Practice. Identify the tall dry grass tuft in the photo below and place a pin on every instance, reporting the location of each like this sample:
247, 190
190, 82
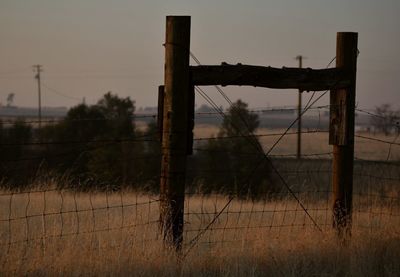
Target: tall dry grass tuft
308, 254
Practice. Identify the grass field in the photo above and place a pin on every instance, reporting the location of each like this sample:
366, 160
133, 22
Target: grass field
64, 233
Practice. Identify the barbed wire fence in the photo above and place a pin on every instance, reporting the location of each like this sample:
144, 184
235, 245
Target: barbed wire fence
49, 215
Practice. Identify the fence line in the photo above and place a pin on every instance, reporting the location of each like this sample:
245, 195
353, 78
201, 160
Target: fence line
376, 199
276, 212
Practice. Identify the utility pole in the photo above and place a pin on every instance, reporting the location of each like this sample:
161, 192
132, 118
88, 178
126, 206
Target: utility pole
299, 111
38, 69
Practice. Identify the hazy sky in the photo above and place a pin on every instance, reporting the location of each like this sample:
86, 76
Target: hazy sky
89, 47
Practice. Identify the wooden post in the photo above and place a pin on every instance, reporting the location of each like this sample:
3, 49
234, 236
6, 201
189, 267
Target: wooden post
299, 111
175, 125
341, 134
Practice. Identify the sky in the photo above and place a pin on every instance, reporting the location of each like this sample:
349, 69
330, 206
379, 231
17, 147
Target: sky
90, 47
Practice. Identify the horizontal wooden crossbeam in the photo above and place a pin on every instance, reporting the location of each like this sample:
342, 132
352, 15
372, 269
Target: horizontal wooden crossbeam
305, 79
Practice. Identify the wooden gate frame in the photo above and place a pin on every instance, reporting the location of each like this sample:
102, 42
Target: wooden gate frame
176, 105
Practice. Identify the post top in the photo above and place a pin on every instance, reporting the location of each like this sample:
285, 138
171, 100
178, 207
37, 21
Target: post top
347, 34
178, 16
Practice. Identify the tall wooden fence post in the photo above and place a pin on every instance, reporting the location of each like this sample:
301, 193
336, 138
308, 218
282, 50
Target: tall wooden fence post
299, 113
341, 134
175, 125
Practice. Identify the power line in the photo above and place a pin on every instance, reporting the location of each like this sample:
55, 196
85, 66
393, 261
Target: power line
61, 94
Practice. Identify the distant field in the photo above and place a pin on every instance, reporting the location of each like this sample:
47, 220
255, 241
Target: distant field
313, 143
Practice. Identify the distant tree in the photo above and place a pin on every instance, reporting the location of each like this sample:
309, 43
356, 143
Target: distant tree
119, 114
20, 132
148, 164
113, 163
101, 150
234, 161
93, 145
239, 121
83, 123
14, 137
15, 166
72, 140
386, 120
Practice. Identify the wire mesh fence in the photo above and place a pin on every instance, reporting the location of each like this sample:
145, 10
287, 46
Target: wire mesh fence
376, 204
233, 203
46, 217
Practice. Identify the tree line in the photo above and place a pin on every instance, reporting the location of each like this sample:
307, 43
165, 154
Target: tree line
100, 147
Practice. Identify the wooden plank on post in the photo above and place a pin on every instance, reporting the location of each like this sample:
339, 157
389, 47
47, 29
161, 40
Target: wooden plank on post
190, 120
341, 134
339, 129
304, 79
160, 111
175, 129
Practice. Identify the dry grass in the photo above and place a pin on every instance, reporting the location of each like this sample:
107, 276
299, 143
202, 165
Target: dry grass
264, 238
116, 234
